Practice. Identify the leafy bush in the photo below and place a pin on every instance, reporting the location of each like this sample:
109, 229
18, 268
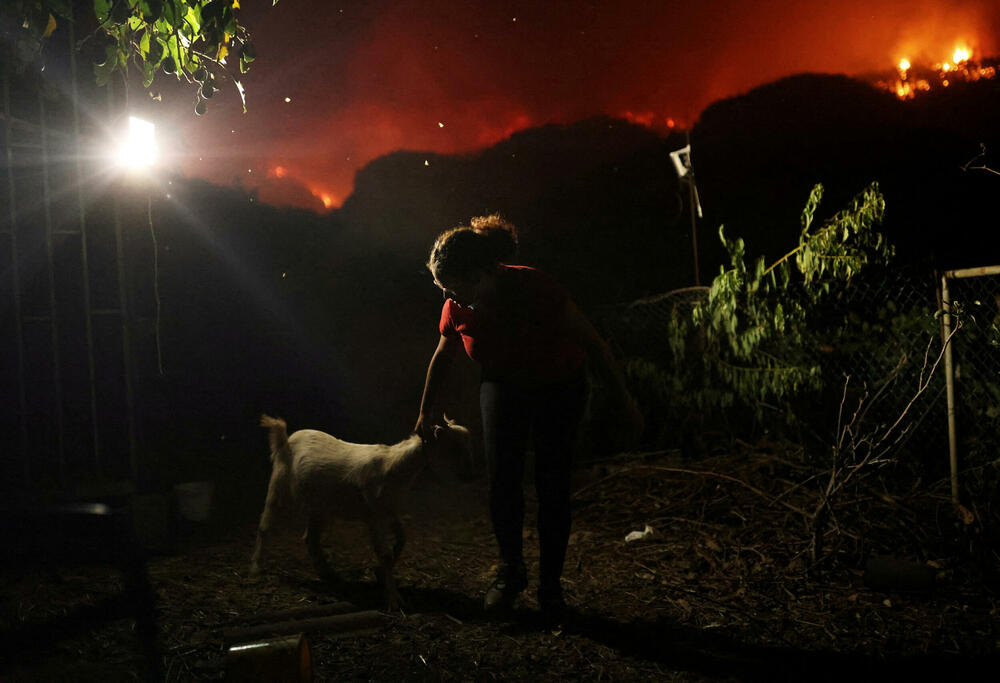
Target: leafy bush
749, 346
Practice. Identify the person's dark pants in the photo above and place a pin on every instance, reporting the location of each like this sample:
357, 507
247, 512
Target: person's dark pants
551, 416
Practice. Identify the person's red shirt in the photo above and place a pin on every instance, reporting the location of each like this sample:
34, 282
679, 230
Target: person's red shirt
522, 338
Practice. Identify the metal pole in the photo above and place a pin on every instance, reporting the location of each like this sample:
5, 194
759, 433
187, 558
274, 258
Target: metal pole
53, 307
125, 322
692, 199
15, 277
949, 375
973, 272
694, 231
84, 262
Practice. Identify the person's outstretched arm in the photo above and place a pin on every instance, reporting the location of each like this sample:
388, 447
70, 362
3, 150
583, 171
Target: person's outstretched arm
437, 370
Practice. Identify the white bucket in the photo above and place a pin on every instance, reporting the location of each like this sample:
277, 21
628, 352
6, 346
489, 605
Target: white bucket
194, 500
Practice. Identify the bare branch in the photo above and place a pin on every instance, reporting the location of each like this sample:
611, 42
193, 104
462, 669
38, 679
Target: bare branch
982, 167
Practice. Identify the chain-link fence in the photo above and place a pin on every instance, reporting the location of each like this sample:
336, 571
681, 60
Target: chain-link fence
882, 331
875, 341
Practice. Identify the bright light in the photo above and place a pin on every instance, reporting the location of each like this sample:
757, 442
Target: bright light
138, 151
904, 65
961, 55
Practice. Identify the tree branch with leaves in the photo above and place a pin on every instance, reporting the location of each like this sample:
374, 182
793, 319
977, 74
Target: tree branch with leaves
200, 42
753, 322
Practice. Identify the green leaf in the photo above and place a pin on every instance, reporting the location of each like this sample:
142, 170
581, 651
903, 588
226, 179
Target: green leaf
248, 53
157, 51
102, 10
191, 26
103, 71
169, 16
174, 56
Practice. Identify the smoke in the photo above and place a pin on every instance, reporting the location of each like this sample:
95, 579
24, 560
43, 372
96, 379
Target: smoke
446, 76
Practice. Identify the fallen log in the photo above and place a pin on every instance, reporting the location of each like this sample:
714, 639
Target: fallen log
306, 612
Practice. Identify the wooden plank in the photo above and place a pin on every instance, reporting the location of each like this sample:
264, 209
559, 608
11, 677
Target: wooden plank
352, 622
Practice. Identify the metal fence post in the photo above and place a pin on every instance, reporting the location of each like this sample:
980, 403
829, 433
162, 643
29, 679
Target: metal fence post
84, 257
967, 274
949, 374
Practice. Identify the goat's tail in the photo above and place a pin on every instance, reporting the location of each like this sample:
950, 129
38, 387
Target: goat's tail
277, 434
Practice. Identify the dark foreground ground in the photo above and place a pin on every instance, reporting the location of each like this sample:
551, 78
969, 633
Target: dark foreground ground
723, 589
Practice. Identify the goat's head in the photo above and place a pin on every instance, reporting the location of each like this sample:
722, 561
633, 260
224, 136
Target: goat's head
452, 445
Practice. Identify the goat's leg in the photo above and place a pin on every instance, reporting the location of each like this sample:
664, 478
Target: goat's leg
379, 528
263, 529
400, 534
264, 526
314, 532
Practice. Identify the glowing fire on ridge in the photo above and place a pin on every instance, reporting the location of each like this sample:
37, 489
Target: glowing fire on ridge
912, 80
328, 199
650, 120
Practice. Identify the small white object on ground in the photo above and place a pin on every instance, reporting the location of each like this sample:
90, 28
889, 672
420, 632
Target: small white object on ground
639, 535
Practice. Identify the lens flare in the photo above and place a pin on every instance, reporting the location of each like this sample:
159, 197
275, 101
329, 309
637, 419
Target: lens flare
138, 151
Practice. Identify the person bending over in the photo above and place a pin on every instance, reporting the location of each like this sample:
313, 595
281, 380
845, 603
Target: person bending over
532, 344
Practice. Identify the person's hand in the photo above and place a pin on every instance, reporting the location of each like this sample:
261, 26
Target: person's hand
425, 425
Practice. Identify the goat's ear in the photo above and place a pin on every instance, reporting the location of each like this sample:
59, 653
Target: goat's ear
437, 431
448, 421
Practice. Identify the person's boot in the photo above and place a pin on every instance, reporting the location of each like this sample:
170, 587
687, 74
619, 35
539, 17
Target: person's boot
503, 592
552, 606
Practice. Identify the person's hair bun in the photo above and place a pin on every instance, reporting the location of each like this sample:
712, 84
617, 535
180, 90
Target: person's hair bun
461, 251
500, 234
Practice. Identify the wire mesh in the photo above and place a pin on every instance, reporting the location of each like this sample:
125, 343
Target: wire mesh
976, 362
878, 334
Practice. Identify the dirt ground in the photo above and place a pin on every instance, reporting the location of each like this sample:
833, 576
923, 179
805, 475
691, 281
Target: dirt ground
722, 589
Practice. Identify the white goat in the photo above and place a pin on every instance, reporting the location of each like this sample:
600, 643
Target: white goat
323, 477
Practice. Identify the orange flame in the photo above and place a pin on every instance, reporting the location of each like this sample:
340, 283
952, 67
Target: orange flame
329, 200
650, 119
962, 67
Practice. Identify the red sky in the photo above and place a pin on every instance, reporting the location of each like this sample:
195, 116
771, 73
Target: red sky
366, 77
